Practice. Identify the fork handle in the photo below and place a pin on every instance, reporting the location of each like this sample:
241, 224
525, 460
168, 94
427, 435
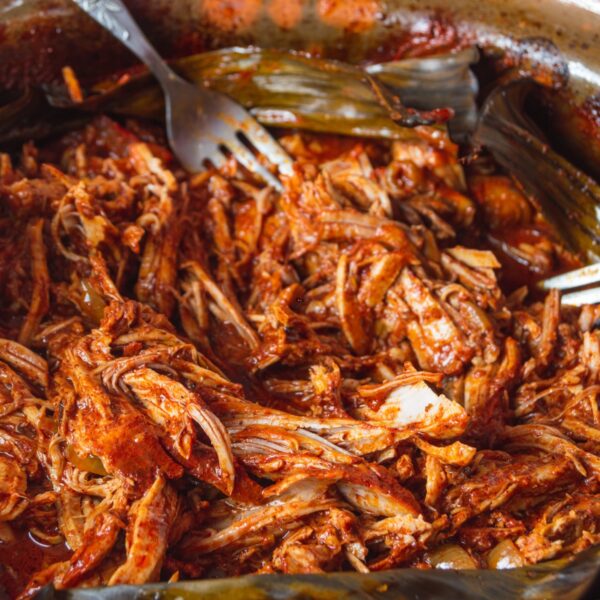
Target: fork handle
115, 18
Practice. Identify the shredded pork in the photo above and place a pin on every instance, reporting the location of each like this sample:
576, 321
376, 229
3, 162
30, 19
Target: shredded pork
202, 377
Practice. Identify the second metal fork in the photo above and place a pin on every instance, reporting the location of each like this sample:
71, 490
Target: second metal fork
202, 125
587, 278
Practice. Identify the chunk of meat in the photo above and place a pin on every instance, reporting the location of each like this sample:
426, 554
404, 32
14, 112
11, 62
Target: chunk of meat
110, 428
417, 408
438, 343
175, 408
150, 521
97, 543
13, 486
40, 297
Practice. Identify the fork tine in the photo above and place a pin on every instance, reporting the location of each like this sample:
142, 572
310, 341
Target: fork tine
261, 139
246, 158
589, 296
573, 279
218, 158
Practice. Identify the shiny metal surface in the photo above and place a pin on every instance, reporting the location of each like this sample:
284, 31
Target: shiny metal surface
578, 278
202, 125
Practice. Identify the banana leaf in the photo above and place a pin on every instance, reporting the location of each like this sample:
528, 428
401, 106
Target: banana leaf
284, 89
569, 198
562, 579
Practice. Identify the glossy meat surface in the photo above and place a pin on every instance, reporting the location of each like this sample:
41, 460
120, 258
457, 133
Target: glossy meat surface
200, 377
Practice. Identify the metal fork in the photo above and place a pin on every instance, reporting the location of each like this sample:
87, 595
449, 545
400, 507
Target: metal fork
579, 278
202, 125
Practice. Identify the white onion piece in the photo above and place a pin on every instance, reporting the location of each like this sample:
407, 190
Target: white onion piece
505, 555
451, 556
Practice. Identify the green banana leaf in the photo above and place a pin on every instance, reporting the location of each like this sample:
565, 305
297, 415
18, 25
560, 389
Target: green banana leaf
281, 89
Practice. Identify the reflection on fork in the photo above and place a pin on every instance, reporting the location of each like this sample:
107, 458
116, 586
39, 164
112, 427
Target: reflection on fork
202, 125
584, 281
